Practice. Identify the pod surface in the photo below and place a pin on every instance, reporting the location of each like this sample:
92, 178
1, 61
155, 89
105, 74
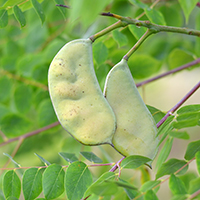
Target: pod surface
77, 98
136, 129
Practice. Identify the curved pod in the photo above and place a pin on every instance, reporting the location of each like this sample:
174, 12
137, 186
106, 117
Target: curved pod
136, 129
76, 95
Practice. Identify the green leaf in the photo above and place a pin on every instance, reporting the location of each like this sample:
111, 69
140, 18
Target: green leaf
5, 91
189, 109
44, 108
164, 152
100, 52
137, 31
3, 111
53, 181
180, 135
69, 157
179, 57
139, 4
187, 7
47, 163
197, 156
91, 157
23, 98
155, 16
176, 185
32, 183
122, 184
171, 166
17, 164
194, 185
3, 18
150, 195
14, 125
156, 113
61, 9
134, 161
19, 15
39, 10
179, 197
192, 149
149, 185
120, 38
11, 184
104, 177
77, 179
143, 66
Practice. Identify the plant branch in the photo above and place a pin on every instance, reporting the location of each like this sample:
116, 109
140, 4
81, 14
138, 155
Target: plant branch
195, 62
154, 27
194, 194
30, 133
192, 91
116, 165
61, 5
138, 43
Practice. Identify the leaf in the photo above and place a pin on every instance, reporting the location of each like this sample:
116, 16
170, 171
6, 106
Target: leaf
197, 156
149, 185
122, 184
91, 157
77, 179
38, 8
5, 91
100, 52
137, 31
11, 184
32, 183
176, 185
156, 113
53, 181
139, 4
171, 166
47, 163
180, 135
44, 108
23, 98
150, 195
179, 197
134, 161
69, 157
104, 177
17, 164
178, 57
187, 7
3, 18
61, 9
189, 109
14, 125
192, 149
164, 152
143, 66
194, 185
3, 111
155, 16
19, 16
120, 38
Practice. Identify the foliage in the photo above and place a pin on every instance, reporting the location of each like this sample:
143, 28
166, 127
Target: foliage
31, 34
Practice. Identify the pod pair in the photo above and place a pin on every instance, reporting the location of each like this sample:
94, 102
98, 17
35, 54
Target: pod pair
121, 119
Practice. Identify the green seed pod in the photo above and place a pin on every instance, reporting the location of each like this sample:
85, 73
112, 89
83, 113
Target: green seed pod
76, 95
136, 129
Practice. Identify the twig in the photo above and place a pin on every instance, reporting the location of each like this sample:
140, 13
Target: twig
194, 194
30, 134
61, 5
178, 104
116, 165
169, 72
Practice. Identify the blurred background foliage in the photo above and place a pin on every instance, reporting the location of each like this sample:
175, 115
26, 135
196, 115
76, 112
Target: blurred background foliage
26, 51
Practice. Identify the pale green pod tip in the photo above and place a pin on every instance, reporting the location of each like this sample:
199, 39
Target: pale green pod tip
136, 129
76, 95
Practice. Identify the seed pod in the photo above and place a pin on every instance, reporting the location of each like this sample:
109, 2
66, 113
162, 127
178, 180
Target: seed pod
76, 95
136, 129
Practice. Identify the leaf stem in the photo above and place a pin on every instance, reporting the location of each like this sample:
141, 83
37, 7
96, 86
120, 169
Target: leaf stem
138, 43
107, 30
192, 91
195, 62
116, 165
155, 27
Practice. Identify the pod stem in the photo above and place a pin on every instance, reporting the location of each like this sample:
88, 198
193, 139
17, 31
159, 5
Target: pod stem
138, 43
107, 30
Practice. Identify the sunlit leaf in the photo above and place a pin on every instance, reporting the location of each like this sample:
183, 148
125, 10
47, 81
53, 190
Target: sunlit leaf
149, 185
150, 195
155, 16
91, 157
